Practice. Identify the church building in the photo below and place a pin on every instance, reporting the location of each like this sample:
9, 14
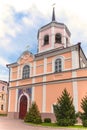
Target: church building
43, 76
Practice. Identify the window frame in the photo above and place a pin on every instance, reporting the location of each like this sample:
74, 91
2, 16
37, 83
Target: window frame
58, 38
2, 107
46, 39
25, 74
58, 65
2, 96
53, 63
3, 88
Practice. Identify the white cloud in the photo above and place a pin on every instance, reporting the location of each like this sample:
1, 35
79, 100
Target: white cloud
3, 62
74, 11
3, 69
4, 77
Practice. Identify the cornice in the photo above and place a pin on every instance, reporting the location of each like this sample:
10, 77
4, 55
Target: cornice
51, 82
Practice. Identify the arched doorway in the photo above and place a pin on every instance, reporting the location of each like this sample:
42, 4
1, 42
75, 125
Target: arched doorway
23, 107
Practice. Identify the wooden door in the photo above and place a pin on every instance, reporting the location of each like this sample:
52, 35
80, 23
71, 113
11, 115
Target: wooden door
23, 107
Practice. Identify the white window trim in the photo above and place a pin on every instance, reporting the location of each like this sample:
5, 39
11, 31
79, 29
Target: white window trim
23, 67
53, 62
27, 100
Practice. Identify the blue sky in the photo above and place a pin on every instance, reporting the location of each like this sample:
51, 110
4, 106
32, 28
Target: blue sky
21, 19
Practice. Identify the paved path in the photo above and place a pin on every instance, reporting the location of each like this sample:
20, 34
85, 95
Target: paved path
13, 124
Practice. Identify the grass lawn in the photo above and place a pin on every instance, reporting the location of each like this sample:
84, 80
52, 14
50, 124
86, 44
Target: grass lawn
3, 114
55, 125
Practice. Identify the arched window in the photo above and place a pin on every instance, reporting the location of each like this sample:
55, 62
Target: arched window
1, 107
58, 38
66, 42
2, 96
3, 88
58, 65
26, 72
46, 39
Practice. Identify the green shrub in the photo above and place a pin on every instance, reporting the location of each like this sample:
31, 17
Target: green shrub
47, 120
3, 114
84, 122
83, 115
33, 116
66, 122
64, 110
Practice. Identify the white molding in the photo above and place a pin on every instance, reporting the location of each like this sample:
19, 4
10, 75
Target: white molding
18, 72
9, 101
46, 49
74, 74
33, 91
69, 69
44, 78
27, 101
52, 37
75, 59
45, 65
44, 99
64, 38
75, 91
16, 98
75, 95
34, 69
40, 40
23, 67
53, 62
33, 80
5, 102
10, 74
17, 83
52, 108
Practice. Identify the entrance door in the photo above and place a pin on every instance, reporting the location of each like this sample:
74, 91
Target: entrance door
23, 107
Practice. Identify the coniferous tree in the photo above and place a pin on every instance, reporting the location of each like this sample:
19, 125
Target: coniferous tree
33, 116
64, 110
83, 115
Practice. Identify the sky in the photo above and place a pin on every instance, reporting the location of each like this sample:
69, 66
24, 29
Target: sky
21, 19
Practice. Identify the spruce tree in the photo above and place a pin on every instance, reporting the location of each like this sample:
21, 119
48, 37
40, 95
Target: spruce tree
33, 116
64, 110
83, 115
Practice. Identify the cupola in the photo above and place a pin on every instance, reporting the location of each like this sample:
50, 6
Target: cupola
53, 35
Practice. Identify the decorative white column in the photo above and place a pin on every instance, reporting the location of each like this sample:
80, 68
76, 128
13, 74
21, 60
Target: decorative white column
16, 100
9, 101
75, 96
34, 69
44, 99
45, 65
18, 72
64, 38
33, 94
75, 92
52, 37
10, 74
75, 59
5, 101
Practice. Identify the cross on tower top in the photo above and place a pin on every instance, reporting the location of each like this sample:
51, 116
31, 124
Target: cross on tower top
53, 13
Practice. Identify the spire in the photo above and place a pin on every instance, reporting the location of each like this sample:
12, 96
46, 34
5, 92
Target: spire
53, 14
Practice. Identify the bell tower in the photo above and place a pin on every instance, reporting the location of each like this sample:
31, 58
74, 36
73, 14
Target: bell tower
53, 35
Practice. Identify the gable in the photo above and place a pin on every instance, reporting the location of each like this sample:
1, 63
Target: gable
26, 57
